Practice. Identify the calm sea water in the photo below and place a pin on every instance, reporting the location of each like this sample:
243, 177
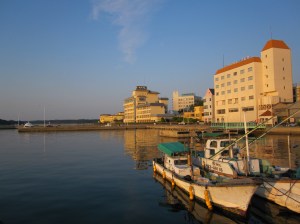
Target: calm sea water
107, 177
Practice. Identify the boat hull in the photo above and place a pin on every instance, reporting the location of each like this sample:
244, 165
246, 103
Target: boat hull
284, 192
233, 197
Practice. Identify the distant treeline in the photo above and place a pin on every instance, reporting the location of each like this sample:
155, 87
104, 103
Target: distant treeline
10, 122
78, 121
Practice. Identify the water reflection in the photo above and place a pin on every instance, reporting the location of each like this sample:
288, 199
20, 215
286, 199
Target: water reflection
275, 148
141, 145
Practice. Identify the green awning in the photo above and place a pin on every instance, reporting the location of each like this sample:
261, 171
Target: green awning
171, 148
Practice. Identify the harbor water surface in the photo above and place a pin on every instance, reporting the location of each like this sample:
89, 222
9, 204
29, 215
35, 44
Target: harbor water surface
107, 177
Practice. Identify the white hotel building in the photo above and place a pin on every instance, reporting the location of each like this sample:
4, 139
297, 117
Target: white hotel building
254, 84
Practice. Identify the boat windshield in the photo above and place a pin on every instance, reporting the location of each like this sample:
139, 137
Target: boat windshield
225, 143
180, 162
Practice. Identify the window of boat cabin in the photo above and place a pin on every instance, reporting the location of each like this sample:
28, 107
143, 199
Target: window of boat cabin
212, 152
180, 162
213, 144
225, 143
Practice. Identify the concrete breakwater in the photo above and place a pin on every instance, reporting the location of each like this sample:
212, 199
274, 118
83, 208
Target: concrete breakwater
172, 130
85, 127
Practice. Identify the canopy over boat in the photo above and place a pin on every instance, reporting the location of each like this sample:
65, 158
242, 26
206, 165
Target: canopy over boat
172, 148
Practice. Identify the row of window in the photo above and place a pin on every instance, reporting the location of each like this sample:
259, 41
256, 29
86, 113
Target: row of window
242, 71
235, 90
207, 114
234, 82
204, 100
233, 110
234, 100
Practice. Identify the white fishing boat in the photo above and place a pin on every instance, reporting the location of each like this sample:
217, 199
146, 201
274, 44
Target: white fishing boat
280, 185
28, 125
233, 195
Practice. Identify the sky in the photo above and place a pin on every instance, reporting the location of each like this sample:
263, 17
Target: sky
77, 59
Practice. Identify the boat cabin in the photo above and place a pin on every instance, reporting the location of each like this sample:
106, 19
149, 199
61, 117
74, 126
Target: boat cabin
214, 146
176, 158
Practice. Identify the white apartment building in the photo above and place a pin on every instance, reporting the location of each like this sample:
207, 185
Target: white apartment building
143, 106
254, 84
183, 101
209, 106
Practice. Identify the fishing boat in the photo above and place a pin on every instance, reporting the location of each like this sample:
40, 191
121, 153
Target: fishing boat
221, 157
233, 195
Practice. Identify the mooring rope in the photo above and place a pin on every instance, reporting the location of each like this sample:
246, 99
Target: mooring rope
283, 194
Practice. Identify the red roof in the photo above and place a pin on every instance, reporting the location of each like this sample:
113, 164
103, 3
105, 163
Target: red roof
238, 64
267, 114
275, 44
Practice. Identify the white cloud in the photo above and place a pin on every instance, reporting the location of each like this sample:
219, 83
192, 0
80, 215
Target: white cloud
131, 16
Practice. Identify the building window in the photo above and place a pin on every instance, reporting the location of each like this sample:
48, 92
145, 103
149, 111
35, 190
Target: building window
243, 80
228, 75
222, 111
242, 71
235, 90
222, 85
217, 86
266, 55
235, 81
217, 93
283, 69
233, 110
217, 79
251, 97
250, 87
223, 93
236, 100
243, 98
243, 88
235, 74
250, 78
230, 101
228, 83
223, 102
250, 69
229, 91
222, 77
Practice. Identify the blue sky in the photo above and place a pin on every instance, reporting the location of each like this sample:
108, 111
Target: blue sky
79, 58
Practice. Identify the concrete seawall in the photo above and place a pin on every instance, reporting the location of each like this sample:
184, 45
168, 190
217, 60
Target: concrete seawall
166, 128
79, 128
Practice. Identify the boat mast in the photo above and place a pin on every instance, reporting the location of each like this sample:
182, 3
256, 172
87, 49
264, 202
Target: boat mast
246, 137
44, 116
